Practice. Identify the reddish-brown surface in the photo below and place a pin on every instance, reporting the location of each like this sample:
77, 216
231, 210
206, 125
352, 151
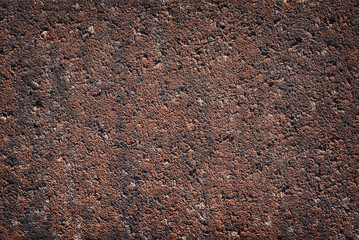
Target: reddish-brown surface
179, 120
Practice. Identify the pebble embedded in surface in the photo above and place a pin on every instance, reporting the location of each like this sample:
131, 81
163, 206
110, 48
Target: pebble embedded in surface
77, 6
44, 34
91, 30
35, 85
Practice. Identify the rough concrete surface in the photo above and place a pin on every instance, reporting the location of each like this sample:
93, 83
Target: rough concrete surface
179, 119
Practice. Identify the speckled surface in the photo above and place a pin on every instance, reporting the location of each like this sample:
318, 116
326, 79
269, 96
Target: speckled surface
179, 119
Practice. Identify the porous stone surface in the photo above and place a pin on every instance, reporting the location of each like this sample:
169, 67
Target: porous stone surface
179, 119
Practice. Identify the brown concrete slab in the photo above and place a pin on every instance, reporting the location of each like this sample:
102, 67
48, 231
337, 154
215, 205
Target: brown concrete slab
179, 119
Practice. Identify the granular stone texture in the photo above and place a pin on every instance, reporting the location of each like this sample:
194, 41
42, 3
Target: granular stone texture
174, 119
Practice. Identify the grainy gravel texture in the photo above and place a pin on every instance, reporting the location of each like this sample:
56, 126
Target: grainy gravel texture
179, 119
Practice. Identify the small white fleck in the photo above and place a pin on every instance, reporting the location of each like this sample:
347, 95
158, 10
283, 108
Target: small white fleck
77, 237
200, 101
44, 34
91, 30
268, 222
15, 223
77, 6
158, 65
